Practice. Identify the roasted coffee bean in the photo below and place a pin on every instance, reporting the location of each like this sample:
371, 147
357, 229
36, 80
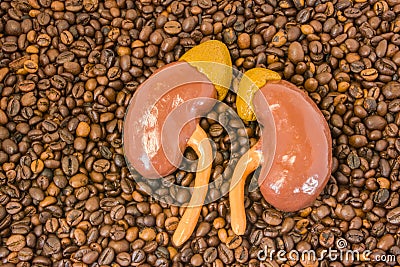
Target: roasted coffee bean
216, 130
13, 28
52, 246
171, 223
25, 254
107, 256
78, 180
393, 216
203, 229
148, 234
358, 141
196, 260
210, 255
353, 161
101, 165
354, 236
138, 257
66, 37
233, 242
9, 47
70, 165
13, 107
186, 255
225, 254
375, 122
28, 99
172, 27
272, 217
13, 207
117, 212
391, 90
9, 146
90, 257
68, 70
381, 196
295, 52
15, 242
30, 66
189, 24
123, 259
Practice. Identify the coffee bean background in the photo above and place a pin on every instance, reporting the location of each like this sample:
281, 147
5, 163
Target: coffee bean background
68, 70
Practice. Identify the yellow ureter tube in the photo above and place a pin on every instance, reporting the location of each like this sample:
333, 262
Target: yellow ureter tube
248, 163
201, 145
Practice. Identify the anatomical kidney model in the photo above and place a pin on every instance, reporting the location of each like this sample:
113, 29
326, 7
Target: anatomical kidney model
302, 162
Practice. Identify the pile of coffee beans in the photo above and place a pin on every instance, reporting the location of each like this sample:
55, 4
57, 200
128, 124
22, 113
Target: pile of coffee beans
68, 69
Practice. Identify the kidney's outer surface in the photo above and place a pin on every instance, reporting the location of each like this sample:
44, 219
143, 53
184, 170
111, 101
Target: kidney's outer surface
303, 157
162, 115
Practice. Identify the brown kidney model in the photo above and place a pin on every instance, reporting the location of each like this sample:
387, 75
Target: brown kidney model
149, 142
301, 164
163, 119
303, 156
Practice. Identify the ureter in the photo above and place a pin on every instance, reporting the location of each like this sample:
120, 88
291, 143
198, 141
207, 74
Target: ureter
246, 165
201, 145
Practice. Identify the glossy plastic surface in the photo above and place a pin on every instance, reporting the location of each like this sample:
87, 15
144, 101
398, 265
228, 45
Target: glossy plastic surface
303, 157
153, 142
